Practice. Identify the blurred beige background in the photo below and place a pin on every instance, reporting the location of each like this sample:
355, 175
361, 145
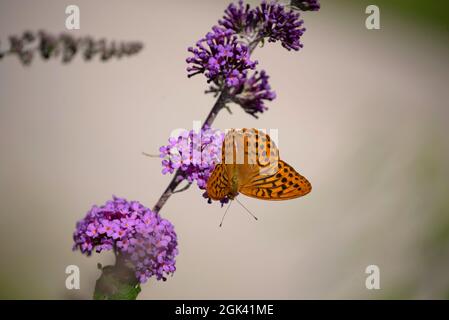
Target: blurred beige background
363, 114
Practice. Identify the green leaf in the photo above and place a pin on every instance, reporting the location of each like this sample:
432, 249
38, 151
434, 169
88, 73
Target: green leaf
117, 283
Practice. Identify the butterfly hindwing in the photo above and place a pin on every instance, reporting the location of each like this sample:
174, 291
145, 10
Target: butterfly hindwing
285, 184
218, 186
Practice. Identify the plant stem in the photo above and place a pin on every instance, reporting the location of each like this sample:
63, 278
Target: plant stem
177, 178
118, 282
222, 99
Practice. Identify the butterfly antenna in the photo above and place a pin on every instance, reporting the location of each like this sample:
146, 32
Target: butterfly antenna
150, 155
251, 214
222, 219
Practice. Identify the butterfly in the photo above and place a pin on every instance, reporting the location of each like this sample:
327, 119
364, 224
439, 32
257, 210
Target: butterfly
250, 165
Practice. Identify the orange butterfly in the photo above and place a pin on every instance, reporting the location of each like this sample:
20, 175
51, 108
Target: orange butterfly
251, 165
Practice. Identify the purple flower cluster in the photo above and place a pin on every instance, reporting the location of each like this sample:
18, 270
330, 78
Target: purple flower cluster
148, 241
269, 20
224, 54
220, 57
194, 153
252, 93
277, 24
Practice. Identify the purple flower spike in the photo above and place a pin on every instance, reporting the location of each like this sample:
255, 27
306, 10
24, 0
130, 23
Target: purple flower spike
221, 58
140, 235
252, 93
194, 153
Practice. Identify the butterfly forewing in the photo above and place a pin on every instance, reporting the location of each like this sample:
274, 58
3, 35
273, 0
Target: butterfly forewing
250, 147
